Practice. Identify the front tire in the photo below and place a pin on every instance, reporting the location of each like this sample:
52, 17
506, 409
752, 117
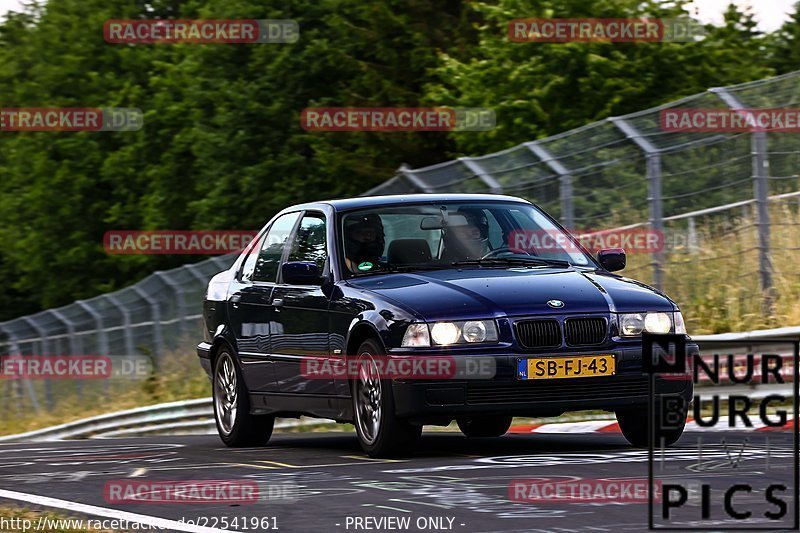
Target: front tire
235, 425
484, 426
380, 432
635, 427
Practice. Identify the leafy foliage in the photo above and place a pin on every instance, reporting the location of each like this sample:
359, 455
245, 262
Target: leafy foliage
222, 146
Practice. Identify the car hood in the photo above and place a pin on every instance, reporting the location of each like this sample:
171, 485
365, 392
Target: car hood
483, 293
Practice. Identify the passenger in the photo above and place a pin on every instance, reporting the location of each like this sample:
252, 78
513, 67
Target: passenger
467, 241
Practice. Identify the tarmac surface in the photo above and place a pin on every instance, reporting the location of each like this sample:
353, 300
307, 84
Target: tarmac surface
324, 482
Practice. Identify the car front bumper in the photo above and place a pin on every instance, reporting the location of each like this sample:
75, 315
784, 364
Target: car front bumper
507, 395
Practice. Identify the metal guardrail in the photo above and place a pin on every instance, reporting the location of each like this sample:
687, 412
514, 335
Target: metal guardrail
196, 416
791, 333
132, 418
188, 416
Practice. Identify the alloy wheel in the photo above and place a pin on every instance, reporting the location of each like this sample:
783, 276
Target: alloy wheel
225, 395
368, 398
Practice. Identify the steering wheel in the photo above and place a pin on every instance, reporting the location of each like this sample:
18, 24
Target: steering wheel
498, 251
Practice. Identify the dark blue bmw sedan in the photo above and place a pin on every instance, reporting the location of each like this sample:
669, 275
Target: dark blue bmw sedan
400, 311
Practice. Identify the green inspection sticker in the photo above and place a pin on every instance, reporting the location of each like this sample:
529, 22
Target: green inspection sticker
366, 265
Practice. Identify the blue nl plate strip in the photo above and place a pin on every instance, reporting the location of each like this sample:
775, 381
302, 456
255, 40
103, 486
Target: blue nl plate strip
522, 368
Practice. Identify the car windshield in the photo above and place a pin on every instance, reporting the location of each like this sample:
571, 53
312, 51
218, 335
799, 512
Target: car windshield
453, 234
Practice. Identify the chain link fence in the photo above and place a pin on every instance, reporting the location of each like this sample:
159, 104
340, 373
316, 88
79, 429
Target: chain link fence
721, 201
725, 202
150, 318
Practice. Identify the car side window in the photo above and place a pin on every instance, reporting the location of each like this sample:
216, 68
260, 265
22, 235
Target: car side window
249, 265
310, 242
269, 257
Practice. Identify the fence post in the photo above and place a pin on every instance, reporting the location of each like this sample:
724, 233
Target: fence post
565, 193
224, 262
654, 200
100, 332
14, 395
155, 313
378, 189
760, 162
415, 180
73, 344
126, 322
203, 281
478, 170
181, 300
691, 243
192, 269
48, 392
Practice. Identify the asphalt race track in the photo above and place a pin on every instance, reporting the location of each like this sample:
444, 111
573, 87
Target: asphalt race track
450, 484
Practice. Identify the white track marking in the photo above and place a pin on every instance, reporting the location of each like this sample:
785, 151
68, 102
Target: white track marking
595, 426
589, 426
163, 523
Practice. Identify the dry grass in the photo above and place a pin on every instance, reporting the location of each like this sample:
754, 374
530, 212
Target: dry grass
178, 378
717, 285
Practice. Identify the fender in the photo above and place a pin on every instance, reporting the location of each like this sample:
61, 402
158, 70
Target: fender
371, 320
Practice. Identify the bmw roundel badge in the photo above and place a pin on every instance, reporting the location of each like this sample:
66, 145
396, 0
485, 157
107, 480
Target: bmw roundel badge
557, 304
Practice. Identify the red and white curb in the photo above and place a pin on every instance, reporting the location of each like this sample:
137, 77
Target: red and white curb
610, 426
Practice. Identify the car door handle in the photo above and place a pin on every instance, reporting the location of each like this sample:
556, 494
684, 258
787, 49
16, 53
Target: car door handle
235, 300
277, 302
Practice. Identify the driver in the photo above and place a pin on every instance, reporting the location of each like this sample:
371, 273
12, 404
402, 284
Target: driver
469, 241
364, 241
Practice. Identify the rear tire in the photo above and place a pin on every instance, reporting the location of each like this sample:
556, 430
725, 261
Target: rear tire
484, 426
380, 432
235, 425
635, 426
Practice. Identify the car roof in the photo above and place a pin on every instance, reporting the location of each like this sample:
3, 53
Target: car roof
346, 204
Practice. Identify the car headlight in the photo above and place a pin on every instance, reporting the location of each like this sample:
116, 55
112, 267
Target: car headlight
447, 333
416, 335
680, 325
632, 324
474, 331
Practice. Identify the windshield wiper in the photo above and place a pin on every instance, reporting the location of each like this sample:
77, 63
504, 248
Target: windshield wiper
495, 261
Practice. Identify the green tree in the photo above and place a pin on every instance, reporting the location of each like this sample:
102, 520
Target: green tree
222, 145
540, 89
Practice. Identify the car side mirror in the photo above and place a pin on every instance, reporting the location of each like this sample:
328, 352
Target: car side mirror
301, 273
612, 259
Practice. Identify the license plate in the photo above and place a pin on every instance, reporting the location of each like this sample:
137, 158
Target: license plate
579, 366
